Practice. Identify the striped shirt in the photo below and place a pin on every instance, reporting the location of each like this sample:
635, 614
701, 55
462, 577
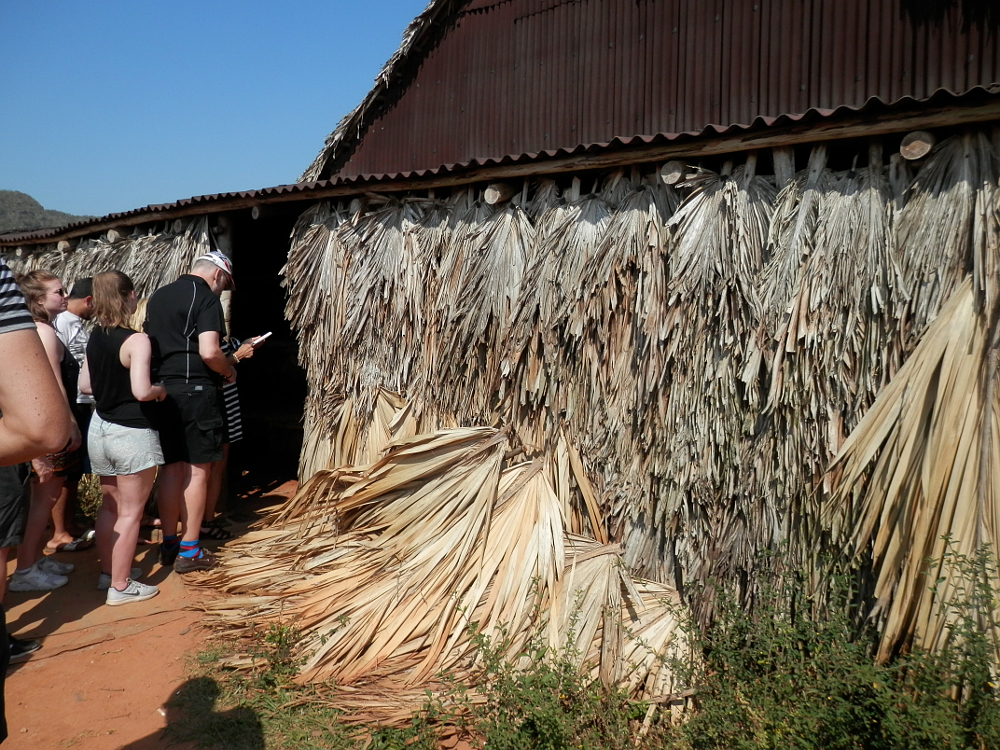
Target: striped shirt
14, 314
231, 399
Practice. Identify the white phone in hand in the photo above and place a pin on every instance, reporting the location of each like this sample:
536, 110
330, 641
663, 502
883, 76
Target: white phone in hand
259, 339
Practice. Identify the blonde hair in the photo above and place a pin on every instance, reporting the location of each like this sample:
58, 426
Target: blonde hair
139, 316
33, 288
111, 290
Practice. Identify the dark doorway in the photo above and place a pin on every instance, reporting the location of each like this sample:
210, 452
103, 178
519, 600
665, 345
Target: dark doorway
272, 386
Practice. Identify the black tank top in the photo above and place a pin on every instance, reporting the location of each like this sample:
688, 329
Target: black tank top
69, 371
110, 381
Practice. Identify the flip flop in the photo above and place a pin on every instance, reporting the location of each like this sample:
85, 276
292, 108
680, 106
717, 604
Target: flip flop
77, 545
211, 531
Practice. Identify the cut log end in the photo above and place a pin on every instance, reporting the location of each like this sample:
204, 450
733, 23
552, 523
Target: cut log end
672, 172
498, 192
917, 145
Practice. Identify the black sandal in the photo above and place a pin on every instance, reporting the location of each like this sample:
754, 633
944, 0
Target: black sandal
211, 531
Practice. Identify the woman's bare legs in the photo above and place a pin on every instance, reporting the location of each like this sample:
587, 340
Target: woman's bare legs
215, 485
104, 526
127, 494
60, 534
43, 498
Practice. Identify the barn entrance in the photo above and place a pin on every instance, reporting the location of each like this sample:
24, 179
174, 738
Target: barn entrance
272, 386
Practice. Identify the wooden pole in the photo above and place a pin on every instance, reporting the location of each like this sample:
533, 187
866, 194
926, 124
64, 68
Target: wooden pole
784, 165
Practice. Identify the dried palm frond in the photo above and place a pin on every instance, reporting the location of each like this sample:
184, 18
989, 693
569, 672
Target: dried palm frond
692, 389
847, 302
151, 260
603, 316
546, 195
918, 471
479, 287
350, 442
384, 316
946, 224
566, 237
790, 242
315, 277
695, 406
389, 569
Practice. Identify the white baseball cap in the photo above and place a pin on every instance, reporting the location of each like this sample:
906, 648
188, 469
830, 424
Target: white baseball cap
222, 261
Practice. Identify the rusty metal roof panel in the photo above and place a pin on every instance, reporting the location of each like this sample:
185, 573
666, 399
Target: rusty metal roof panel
514, 77
151, 212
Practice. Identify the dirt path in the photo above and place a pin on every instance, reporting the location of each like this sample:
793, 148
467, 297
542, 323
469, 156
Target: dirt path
103, 674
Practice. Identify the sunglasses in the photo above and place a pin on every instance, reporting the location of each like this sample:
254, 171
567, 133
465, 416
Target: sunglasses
61, 292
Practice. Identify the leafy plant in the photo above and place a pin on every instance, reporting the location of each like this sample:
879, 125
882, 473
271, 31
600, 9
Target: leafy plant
550, 705
794, 675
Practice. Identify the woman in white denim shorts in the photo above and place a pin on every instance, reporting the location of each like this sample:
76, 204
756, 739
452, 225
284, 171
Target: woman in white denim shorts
123, 443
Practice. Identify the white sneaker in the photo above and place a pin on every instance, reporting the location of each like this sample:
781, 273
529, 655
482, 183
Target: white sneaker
134, 592
49, 565
36, 579
104, 580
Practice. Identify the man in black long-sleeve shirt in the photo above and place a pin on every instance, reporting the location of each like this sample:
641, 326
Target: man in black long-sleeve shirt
185, 322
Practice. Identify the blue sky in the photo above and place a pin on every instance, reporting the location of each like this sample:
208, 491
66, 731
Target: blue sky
110, 105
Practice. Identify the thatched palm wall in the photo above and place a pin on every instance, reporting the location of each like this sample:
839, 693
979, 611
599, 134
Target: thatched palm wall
151, 258
702, 352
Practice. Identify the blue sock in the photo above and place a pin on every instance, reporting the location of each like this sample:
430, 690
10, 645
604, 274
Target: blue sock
170, 542
190, 549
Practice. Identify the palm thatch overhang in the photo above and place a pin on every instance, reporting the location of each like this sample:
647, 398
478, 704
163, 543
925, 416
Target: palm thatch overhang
704, 372
152, 255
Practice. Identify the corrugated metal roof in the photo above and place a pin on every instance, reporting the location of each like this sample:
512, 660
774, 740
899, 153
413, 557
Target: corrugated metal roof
509, 79
154, 212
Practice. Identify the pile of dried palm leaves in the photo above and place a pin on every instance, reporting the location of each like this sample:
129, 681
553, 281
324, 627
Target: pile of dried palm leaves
390, 570
686, 362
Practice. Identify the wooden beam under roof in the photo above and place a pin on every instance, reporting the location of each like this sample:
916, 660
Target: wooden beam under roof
815, 131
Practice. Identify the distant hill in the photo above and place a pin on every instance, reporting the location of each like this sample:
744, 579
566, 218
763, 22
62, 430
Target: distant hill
19, 211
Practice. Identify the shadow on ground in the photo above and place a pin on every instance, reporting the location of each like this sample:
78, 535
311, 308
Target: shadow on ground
193, 721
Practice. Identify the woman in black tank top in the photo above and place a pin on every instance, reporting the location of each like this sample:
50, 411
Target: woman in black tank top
123, 443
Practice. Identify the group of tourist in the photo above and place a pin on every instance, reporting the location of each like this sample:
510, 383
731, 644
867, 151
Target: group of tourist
132, 407
146, 407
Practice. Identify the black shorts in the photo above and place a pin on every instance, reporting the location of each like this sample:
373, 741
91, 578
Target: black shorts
190, 424
14, 499
82, 413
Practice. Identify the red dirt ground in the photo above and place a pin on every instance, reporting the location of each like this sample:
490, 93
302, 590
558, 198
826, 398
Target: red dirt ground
103, 674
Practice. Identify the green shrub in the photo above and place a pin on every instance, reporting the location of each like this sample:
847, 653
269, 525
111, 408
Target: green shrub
794, 675
548, 706
799, 677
